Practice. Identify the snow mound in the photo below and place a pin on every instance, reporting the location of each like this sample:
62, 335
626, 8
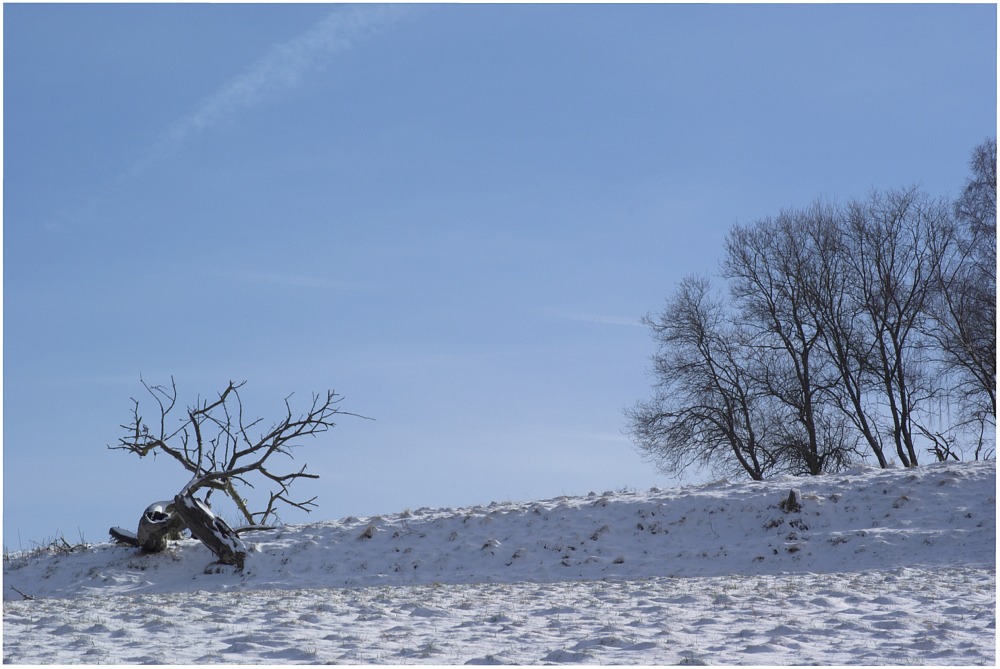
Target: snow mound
939, 515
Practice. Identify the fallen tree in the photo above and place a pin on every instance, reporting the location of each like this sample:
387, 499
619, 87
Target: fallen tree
222, 452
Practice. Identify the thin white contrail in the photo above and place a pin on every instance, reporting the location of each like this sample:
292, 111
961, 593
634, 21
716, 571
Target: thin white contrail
284, 66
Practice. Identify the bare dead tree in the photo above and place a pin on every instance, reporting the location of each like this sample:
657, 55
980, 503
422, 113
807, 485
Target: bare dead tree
222, 451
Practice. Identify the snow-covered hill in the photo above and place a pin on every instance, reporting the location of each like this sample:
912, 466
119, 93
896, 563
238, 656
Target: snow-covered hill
870, 566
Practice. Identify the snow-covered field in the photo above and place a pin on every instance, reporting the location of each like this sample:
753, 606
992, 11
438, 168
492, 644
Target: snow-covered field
876, 567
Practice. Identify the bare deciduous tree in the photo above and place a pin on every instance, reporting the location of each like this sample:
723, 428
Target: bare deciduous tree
771, 266
895, 238
840, 325
977, 206
222, 451
963, 308
706, 410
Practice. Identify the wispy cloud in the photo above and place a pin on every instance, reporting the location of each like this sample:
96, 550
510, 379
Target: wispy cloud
602, 319
285, 65
279, 279
559, 434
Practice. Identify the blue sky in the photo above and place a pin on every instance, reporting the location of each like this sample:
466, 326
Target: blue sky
453, 215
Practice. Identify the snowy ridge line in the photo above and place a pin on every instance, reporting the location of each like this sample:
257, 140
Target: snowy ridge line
867, 519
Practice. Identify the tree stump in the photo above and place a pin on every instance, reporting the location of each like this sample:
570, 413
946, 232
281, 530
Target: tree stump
792, 503
159, 523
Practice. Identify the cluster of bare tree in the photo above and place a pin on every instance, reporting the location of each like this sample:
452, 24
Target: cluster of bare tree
856, 331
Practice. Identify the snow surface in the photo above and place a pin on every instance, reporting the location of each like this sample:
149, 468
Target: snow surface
878, 567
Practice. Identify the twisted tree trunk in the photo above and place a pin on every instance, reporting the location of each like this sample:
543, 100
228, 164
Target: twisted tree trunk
164, 521
211, 530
